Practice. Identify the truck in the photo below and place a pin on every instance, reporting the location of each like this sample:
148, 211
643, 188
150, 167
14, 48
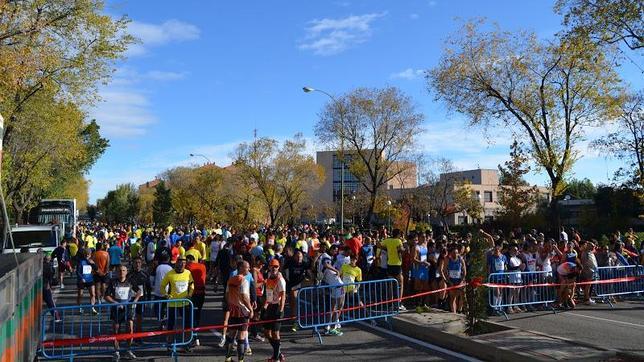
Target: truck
61, 212
33, 237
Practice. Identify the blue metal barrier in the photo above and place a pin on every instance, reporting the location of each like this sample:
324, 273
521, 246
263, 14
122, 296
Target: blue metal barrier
87, 321
504, 300
607, 291
324, 306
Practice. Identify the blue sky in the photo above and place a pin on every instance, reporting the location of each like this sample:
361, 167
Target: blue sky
209, 72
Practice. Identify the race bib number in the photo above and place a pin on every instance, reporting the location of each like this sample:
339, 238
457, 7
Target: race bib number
269, 295
181, 286
498, 265
423, 258
347, 279
87, 269
455, 274
122, 293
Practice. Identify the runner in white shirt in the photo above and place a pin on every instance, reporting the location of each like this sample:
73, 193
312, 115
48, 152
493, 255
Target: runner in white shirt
274, 308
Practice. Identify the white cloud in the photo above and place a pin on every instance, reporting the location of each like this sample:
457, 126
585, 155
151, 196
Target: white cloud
164, 76
125, 108
408, 74
414, 16
151, 35
332, 36
123, 113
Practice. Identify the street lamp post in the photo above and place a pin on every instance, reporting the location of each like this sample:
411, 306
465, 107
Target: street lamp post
200, 155
353, 211
389, 215
339, 106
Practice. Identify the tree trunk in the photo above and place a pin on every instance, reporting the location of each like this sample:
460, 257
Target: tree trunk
372, 205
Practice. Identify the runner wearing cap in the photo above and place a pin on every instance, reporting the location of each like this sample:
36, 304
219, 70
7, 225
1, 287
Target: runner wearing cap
274, 307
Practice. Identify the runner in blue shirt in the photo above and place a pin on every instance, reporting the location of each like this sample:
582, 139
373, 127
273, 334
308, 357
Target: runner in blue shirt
115, 256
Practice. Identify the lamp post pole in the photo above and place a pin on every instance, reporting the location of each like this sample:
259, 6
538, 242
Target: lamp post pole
204, 156
389, 216
338, 105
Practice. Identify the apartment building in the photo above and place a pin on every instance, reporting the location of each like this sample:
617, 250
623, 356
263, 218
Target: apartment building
329, 192
485, 187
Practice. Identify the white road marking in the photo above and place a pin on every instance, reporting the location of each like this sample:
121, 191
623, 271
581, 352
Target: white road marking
608, 320
460, 356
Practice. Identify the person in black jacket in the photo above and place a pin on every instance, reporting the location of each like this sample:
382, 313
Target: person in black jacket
48, 275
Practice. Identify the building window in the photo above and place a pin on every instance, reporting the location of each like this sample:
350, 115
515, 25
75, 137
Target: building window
487, 196
462, 220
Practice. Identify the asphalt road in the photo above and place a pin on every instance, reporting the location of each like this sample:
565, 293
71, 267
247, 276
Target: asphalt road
358, 343
620, 327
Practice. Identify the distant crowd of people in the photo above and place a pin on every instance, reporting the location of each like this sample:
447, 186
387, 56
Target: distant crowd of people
260, 270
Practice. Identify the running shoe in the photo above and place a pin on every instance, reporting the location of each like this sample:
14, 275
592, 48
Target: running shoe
282, 358
419, 309
222, 343
402, 308
426, 308
62, 286
94, 311
116, 356
295, 327
228, 359
249, 352
130, 355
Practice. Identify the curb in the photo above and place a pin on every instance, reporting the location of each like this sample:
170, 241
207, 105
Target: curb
479, 349
488, 351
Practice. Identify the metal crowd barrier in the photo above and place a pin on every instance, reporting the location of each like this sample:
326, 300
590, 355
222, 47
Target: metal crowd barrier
328, 305
91, 321
20, 305
607, 291
501, 299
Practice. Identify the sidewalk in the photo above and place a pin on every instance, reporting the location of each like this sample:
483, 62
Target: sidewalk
502, 344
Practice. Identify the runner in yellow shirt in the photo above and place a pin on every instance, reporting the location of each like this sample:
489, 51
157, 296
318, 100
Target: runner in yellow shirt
394, 248
351, 273
194, 252
178, 284
201, 246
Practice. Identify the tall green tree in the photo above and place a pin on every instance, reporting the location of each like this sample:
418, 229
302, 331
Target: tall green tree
606, 21
69, 46
517, 197
120, 205
548, 93
52, 147
162, 206
580, 189
376, 129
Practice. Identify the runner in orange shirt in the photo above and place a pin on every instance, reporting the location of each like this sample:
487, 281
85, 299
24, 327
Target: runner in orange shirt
102, 260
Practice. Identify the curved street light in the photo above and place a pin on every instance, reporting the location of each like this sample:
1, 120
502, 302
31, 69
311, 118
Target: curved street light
339, 106
200, 155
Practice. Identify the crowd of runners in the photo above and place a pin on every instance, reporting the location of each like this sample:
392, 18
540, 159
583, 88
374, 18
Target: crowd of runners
259, 270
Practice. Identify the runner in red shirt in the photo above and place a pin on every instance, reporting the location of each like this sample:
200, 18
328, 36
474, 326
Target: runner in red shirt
355, 243
198, 272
